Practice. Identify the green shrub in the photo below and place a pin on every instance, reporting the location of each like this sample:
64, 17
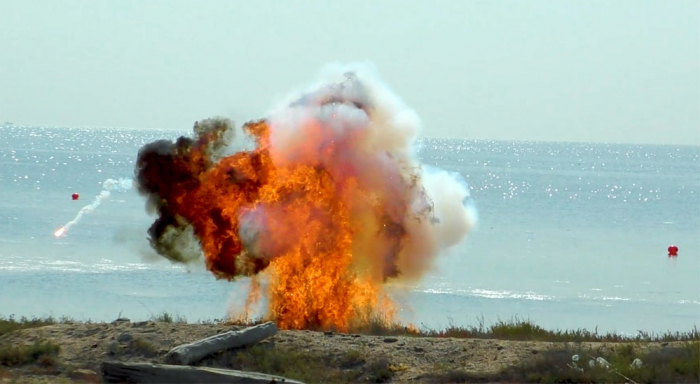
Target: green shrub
12, 356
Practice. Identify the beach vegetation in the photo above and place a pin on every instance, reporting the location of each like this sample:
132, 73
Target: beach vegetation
305, 366
520, 330
39, 351
308, 366
600, 357
11, 323
165, 317
604, 364
143, 347
513, 329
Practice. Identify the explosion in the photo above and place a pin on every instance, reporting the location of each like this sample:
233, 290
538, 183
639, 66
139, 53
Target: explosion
330, 205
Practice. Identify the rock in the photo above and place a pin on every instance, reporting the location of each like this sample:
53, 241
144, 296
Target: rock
113, 348
418, 349
328, 333
356, 335
139, 324
390, 340
125, 337
500, 347
87, 375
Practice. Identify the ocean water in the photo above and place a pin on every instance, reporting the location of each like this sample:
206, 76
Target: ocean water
570, 235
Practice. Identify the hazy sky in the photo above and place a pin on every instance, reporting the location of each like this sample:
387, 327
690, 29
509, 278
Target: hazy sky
605, 71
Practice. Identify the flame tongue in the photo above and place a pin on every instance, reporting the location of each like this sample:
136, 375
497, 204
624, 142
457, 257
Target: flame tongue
327, 204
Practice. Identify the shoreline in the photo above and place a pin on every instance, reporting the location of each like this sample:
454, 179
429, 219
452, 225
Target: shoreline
71, 352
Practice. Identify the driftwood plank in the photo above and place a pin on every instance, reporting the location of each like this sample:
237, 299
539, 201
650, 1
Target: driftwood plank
113, 372
191, 353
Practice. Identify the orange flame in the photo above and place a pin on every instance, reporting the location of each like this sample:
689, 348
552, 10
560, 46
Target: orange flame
312, 223
327, 213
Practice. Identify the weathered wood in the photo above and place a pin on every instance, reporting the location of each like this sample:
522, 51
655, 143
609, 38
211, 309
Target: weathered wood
114, 372
191, 353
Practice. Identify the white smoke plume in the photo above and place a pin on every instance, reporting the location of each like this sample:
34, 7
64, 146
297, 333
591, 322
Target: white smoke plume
108, 186
369, 121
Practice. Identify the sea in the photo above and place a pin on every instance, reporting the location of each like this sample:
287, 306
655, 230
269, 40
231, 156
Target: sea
570, 236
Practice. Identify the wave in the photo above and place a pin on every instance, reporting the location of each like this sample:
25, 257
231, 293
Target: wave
490, 294
18, 265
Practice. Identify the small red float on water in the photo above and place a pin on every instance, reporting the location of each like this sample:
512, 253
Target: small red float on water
75, 196
672, 250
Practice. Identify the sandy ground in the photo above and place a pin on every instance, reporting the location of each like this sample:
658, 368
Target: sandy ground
85, 346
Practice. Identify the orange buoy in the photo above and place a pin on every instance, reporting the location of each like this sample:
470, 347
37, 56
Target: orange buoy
75, 196
672, 250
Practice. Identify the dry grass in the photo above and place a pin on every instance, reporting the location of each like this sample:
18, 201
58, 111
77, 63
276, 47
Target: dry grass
514, 329
669, 365
143, 347
165, 317
521, 330
11, 324
305, 366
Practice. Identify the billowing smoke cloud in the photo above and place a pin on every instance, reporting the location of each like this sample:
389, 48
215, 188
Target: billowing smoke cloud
331, 203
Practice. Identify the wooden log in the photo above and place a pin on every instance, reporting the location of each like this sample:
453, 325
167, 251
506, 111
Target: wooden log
191, 353
115, 372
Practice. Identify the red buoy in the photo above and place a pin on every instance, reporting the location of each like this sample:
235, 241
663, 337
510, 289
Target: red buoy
76, 196
672, 250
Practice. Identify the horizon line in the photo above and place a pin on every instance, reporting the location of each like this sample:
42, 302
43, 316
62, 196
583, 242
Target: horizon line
420, 137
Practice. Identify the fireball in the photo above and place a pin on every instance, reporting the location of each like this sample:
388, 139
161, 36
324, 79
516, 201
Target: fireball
329, 206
